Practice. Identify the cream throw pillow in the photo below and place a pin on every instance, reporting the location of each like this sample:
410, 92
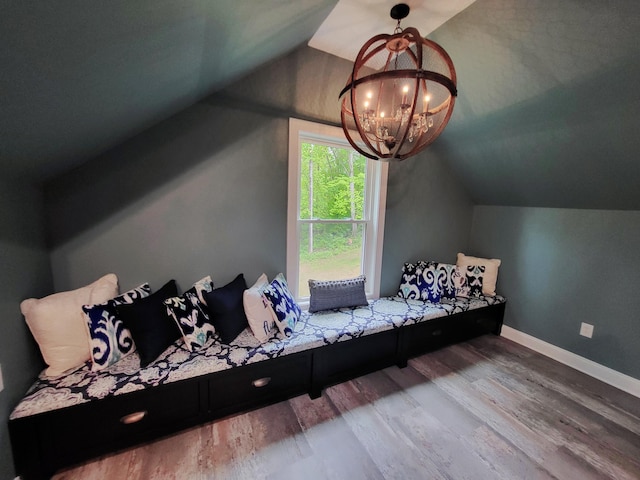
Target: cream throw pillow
257, 311
59, 325
490, 273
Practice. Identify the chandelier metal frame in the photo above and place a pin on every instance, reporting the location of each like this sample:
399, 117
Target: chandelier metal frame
412, 124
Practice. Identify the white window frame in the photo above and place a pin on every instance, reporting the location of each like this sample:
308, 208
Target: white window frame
376, 176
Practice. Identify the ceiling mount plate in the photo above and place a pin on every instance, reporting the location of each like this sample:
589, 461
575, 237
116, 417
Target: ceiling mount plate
400, 11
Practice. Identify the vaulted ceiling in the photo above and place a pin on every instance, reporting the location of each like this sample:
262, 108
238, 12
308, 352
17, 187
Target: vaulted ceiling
546, 115
80, 76
548, 110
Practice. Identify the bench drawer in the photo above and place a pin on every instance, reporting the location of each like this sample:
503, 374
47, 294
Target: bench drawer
479, 322
427, 336
345, 360
258, 384
91, 429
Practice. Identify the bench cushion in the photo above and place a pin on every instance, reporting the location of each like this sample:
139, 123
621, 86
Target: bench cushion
177, 363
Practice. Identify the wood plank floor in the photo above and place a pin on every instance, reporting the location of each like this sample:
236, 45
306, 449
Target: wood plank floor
485, 409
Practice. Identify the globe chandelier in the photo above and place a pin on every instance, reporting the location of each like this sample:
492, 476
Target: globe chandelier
400, 94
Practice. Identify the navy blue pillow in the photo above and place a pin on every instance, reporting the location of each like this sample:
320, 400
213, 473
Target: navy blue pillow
226, 309
420, 281
151, 327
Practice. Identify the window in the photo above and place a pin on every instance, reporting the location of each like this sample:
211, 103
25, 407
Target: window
335, 209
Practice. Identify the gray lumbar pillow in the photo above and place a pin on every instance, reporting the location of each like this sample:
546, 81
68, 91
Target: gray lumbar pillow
331, 294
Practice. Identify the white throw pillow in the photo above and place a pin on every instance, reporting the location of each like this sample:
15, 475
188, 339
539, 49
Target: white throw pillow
59, 326
257, 310
490, 273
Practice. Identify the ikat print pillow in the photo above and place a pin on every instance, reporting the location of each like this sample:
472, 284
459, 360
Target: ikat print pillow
411, 280
420, 282
444, 272
475, 276
258, 310
284, 309
491, 270
186, 310
460, 283
110, 339
201, 287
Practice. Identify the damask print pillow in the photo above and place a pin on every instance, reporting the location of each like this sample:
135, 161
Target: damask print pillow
110, 339
186, 311
284, 309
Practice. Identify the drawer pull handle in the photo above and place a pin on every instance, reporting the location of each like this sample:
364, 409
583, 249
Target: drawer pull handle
261, 382
133, 417
435, 333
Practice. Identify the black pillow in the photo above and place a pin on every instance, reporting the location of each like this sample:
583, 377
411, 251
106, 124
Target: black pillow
151, 327
226, 310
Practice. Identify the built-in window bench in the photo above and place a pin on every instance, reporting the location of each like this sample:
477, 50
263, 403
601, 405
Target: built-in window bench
83, 414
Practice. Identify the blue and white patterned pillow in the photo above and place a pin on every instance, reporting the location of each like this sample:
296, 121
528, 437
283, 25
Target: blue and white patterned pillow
411, 280
191, 319
201, 287
475, 277
110, 339
284, 308
430, 290
420, 282
460, 283
445, 273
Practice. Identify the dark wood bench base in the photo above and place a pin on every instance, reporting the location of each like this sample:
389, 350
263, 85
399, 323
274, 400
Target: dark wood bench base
45, 443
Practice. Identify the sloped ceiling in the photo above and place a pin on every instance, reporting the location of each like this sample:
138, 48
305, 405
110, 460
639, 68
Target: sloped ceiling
547, 113
80, 76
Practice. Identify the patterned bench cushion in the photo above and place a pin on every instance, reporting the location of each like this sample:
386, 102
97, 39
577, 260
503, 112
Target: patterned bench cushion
177, 363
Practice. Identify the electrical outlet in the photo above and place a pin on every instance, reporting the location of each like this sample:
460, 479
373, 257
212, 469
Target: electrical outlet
586, 330
1, 381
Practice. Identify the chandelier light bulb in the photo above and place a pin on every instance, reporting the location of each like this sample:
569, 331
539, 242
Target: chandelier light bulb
401, 68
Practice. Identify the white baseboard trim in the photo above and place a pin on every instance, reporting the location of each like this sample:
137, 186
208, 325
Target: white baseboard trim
605, 374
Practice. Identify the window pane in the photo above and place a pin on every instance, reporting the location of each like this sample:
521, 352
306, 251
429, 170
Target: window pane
332, 182
334, 253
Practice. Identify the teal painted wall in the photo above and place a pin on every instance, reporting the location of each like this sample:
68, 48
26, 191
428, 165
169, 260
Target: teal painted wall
561, 267
205, 192
428, 216
188, 199
25, 273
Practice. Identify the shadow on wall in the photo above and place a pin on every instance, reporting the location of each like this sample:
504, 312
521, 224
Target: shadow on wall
295, 85
97, 190
25, 272
304, 84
